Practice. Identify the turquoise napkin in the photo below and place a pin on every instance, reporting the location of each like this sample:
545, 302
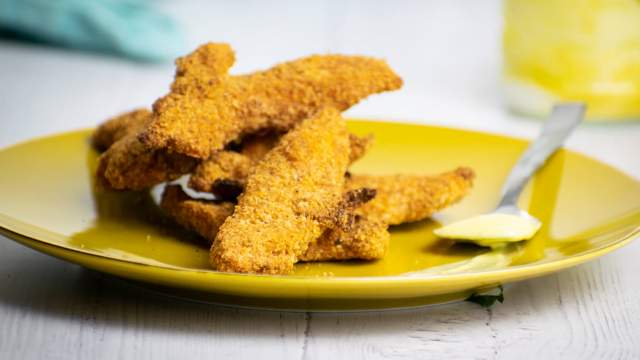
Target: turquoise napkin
128, 28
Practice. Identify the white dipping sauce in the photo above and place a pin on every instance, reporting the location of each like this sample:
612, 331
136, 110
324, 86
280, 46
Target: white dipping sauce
492, 230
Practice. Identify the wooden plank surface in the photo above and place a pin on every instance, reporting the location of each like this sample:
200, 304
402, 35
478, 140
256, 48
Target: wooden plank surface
448, 53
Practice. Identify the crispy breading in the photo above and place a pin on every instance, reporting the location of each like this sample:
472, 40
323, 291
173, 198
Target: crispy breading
401, 198
118, 127
228, 169
129, 165
344, 217
408, 198
256, 146
205, 109
349, 235
223, 165
202, 216
364, 238
297, 184
367, 239
225, 173
398, 199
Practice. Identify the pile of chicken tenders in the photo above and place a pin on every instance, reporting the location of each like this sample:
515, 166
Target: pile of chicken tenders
274, 150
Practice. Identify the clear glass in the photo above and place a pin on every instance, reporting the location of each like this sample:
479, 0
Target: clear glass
577, 50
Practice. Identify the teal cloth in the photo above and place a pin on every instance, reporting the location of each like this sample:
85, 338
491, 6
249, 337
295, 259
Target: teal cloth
128, 28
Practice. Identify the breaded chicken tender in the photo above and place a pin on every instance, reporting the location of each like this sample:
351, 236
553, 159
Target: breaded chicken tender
118, 127
363, 239
129, 165
126, 163
288, 195
274, 150
349, 235
399, 199
256, 146
224, 174
367, 239
228, 168
201, 216
407, 198
206, 109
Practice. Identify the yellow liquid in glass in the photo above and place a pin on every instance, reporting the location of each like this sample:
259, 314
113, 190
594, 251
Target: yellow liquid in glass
585, 50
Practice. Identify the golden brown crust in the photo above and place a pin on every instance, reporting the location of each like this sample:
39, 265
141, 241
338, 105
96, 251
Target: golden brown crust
365, 239
201, 216
408, 198
344, 217
230, 168
297, 183
256, 146
227, 165
207, 109
129, 165
235, 167
193, 118
118, 127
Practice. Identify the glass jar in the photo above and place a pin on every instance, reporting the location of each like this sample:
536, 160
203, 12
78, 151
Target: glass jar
581, 50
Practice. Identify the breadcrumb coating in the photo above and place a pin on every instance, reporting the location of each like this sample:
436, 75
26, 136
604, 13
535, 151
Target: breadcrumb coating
227, 165
294, 201
118, 127
201, 216
226, 168
129, 165
364, 239
232, 168
256, 146
206, 109
407, 198
297, 184
351, 236
344, 217
367, 239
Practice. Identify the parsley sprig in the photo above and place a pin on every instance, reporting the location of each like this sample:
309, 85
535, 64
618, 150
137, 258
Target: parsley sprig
487, 300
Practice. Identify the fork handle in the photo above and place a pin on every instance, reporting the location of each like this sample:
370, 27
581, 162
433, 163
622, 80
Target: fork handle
564, 118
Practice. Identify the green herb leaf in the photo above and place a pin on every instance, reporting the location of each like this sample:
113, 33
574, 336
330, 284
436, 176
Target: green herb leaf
487, 300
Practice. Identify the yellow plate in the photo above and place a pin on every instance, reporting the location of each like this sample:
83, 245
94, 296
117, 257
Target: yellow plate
588, 209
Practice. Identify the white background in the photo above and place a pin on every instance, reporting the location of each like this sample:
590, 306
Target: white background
448, 53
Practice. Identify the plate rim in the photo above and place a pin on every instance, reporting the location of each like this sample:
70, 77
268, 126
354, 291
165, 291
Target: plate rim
541, 267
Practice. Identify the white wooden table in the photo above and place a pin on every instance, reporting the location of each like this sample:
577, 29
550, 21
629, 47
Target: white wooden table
448, 53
